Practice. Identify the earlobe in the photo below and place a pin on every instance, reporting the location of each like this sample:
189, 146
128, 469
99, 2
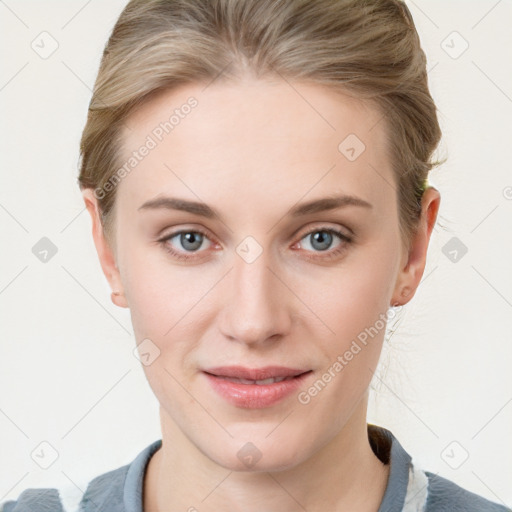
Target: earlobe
105, 252
119, 299
410, 275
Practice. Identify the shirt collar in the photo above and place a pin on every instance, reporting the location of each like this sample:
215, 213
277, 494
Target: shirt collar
384, 444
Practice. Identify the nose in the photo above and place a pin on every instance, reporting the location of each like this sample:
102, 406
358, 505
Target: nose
257, 307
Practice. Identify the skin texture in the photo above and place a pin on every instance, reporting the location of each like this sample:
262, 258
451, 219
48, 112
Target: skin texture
252, 150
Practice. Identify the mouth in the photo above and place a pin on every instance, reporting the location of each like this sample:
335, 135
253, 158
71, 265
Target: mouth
262, 382
260, 376
256, 393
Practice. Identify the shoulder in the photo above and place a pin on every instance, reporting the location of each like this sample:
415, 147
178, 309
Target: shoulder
34, 500
101, 490
446, 496
108, 491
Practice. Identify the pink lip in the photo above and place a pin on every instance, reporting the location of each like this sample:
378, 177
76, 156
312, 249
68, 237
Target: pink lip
266, 372
254, 396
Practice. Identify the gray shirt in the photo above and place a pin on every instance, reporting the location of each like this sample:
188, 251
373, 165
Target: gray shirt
409, 489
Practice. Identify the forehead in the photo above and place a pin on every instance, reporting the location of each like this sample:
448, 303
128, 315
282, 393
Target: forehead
273, 142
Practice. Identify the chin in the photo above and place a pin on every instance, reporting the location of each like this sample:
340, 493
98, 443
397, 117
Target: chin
258, 456
275, 463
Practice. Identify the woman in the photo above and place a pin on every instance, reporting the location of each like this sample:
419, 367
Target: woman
257, 178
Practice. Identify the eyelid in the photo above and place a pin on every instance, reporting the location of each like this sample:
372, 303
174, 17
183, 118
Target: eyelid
205, 233
334, 229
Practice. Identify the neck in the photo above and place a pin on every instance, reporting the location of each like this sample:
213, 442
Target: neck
344, 475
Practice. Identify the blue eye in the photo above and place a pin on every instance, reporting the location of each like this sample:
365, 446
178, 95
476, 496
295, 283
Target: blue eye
190, 240
319, 239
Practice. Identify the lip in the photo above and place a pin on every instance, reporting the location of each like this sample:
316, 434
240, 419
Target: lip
255, 396
267, 372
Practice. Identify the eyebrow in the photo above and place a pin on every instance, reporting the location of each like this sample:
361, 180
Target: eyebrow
202, 209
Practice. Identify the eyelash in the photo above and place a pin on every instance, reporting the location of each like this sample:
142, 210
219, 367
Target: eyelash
327, 255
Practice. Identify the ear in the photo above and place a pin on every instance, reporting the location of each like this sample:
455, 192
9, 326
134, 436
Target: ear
105, 253
413, 265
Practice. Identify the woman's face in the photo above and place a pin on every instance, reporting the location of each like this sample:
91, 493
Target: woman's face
263, 281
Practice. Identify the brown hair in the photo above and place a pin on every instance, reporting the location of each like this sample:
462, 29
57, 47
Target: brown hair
366, 48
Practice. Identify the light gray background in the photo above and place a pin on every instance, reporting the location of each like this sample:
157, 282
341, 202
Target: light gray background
67, 372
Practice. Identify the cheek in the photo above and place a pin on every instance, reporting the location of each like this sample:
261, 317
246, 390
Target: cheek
352, 296
165, 299
147, 291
